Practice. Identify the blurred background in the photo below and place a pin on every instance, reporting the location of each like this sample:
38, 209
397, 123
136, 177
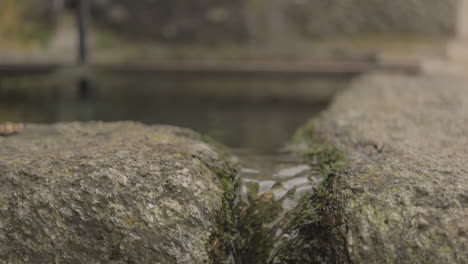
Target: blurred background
125, 30
246, 72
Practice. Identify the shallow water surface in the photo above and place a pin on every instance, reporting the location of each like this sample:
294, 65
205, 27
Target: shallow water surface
258, 113
269, 180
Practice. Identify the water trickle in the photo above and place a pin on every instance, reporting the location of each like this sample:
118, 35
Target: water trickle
279, 173
291, 172
272, 186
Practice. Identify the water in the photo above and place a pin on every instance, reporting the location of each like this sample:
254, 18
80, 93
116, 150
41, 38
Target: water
276, 173
280, 177
258, 113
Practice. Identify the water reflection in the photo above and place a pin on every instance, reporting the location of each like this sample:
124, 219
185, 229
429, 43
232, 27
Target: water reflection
253, 113
84, 88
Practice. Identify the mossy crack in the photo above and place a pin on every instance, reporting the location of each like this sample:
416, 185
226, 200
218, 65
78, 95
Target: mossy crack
313, 222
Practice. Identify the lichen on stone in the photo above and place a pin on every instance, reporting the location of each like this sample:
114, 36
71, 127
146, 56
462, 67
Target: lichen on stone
404, 203
113, 192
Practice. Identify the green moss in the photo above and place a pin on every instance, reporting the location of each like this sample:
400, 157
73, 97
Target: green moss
258, 223
256, 235
316, 217
313, 220
326, 157
252, 191
304, 135
221, 243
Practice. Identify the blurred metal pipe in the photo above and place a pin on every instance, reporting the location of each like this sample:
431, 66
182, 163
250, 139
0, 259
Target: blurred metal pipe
83, 21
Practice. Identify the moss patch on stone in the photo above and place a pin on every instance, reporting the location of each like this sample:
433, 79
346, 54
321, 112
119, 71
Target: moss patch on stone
255, 227
308, 228
312, 224
328, 158
220, 246
221, 242
252, 191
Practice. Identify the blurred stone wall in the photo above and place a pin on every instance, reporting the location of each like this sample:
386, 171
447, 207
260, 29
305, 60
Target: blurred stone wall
215, 20
174, 20
326, 17
272, 21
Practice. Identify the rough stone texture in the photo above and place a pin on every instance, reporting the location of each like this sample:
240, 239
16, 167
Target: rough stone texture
108, 193
325, 17
404, 195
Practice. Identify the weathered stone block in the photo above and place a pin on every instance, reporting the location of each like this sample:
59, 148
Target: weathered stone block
111, 193
402, 196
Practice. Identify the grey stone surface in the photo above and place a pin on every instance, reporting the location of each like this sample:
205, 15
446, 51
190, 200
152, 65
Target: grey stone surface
403, 197
109, 193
